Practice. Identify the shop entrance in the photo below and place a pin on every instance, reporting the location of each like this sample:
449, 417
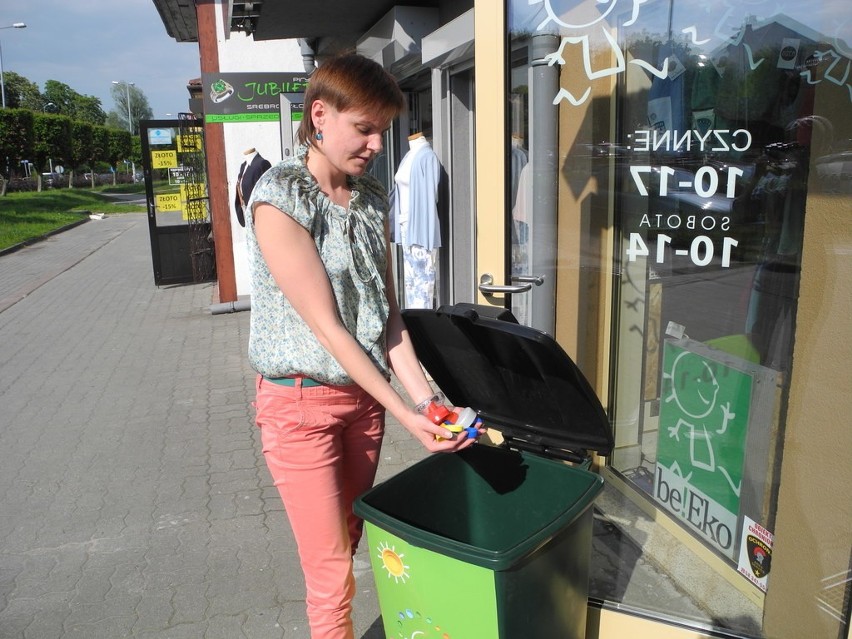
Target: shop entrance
173, 160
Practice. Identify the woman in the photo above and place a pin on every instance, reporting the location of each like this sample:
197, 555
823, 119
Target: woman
326, 329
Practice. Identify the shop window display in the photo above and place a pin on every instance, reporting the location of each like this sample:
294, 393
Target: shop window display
694, 132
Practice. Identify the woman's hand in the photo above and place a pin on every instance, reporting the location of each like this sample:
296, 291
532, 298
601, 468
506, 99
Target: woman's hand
436, 439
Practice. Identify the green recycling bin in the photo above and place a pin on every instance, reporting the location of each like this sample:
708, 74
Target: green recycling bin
493, 542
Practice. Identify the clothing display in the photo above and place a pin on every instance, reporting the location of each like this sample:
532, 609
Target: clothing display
416, 224
520, 159
251, 169
522, 214
415, 196
779, 194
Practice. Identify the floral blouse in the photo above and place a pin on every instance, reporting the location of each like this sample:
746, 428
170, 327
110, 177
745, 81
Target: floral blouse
351, 243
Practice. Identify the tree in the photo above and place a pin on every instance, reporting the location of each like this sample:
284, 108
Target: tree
21, 93
139, 107
114, 121
136, 155
120, 146
61, 126
52, 140
75, 105
100, 144
88, 108
82, 144
16, 139
62, 96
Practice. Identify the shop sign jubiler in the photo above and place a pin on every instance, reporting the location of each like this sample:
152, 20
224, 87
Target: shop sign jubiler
247, 97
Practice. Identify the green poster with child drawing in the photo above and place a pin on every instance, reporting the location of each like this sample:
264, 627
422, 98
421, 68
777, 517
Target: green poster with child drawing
704, 416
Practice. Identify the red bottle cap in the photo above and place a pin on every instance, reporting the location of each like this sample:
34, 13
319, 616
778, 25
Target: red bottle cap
438, 413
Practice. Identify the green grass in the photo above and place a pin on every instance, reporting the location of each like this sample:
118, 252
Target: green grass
26, 216
121, 188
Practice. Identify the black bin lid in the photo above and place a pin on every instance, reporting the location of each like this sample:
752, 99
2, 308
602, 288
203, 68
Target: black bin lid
517, 378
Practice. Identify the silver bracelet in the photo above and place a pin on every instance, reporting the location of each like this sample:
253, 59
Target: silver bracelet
438, 398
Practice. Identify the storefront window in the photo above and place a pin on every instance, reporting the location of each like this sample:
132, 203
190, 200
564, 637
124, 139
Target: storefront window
690, 137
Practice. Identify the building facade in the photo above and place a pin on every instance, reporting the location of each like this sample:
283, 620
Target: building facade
666, 187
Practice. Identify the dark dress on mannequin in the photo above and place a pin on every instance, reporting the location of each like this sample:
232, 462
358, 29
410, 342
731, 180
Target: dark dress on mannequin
250, 172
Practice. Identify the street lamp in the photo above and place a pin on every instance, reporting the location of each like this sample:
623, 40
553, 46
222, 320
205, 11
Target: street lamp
127, 86
16, 25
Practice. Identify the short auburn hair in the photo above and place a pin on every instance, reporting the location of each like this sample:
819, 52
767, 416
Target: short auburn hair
351, 82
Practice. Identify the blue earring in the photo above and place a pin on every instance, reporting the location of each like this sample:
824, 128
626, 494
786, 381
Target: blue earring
319, 136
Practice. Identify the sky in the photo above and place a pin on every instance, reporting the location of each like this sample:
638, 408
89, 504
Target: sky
87, 44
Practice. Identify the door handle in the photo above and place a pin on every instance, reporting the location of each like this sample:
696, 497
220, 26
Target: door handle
538, 280
487, 286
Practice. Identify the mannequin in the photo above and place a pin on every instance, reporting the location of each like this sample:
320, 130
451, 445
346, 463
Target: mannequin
519, 161
254, 165
415, 209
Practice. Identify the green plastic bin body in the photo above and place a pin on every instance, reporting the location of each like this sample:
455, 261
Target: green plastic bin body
492, 543
485, 544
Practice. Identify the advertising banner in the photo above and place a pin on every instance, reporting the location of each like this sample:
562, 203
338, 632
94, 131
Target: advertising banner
704, 418
247, 97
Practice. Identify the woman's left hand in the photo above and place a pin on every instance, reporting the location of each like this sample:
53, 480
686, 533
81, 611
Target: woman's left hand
437, 439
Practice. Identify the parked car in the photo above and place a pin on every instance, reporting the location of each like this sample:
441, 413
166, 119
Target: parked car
51, 179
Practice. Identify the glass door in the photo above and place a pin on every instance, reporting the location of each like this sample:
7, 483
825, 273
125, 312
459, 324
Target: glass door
173, 159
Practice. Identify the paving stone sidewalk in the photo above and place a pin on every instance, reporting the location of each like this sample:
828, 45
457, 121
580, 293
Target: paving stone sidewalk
134, 501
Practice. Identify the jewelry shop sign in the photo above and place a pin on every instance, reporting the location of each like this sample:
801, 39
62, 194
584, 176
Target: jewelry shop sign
247, 97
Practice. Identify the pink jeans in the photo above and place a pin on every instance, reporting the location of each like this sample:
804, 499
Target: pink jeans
321, 445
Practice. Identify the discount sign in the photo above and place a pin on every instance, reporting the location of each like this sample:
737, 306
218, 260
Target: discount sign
168, 202
164, 159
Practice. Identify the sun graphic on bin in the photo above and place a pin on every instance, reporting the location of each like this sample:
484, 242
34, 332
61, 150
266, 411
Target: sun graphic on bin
392, 561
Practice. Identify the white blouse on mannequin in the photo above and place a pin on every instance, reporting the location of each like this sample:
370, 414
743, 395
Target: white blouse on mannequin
403, 176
